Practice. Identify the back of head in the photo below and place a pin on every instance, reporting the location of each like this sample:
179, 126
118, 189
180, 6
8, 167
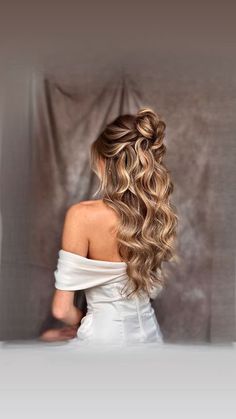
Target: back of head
137, 185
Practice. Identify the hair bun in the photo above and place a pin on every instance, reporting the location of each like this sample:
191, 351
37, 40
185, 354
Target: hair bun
148, 124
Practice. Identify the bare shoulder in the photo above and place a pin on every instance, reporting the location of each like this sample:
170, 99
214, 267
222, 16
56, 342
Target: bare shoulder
77, 210
86, 221
88, 212
84, 207
75, 229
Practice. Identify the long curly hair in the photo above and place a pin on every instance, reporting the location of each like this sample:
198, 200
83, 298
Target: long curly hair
137, 185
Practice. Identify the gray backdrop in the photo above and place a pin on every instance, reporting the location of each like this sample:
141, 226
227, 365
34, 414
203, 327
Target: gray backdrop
51, 114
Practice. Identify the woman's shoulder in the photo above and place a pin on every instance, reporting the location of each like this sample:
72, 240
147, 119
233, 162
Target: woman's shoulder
90, 209
81, 220
89, 205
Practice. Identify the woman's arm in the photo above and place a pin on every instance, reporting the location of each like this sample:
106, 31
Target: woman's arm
64, 309
75, 240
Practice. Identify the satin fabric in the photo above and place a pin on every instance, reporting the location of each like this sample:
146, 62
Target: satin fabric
111, 317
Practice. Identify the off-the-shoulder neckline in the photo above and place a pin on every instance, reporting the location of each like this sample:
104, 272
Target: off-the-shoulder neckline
98, 261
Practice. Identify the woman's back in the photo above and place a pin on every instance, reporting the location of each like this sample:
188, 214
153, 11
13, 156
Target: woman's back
102, 224
111, 317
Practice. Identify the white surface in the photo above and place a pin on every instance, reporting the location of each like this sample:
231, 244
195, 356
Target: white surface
41, 380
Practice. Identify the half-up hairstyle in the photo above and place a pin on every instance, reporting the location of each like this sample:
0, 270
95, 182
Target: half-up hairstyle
137, 185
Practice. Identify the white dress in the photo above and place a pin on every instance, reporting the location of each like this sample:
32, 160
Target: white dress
111, 318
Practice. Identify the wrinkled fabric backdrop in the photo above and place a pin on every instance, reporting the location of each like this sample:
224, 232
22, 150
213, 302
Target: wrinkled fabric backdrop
51, 116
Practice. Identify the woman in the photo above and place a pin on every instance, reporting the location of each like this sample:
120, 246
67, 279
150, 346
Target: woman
113, 248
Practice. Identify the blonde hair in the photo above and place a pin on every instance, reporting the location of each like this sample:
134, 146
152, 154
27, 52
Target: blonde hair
137, 185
